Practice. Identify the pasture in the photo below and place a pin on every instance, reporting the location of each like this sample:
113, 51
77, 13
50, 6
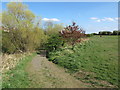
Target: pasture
94, 61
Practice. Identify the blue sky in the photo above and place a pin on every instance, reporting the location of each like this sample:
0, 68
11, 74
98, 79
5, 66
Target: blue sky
92, 16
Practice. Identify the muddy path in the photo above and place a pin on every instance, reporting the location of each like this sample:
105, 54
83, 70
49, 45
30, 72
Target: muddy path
45, 74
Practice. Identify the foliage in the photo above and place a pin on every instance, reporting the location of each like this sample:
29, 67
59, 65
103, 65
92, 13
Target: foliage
7, 46
53, 43
53, 29
89, 35
17, 16
65, 59
105, 33
116, 32
94, 33
94, 56
72, 33
20, 33
54, 39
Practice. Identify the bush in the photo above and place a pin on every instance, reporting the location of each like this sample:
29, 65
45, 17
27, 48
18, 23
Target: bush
22, 40
89, 35
65, 59
53, 43
7, 45
69, 63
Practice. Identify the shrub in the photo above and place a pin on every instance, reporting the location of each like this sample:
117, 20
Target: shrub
66, 60
7, 45
89, 35
53, 43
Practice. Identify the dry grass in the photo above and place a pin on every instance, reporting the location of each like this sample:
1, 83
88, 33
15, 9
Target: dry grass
11, 60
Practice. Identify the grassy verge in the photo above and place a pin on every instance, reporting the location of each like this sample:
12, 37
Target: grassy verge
95, 61
17, 77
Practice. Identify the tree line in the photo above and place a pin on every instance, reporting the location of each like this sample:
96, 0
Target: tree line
22, 31
115, 32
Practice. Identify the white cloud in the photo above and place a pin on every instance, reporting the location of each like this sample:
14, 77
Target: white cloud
104, 19
52, 19
109, 19
45, 19
98, 20
117, 18
93, 18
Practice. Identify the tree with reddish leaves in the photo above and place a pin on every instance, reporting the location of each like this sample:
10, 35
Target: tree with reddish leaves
72, 34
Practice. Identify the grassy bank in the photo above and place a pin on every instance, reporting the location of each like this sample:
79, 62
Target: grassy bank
94, 61
17, 77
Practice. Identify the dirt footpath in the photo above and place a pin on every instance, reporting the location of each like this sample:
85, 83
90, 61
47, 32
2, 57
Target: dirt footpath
45, 74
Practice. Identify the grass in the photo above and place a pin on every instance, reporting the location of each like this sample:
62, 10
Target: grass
93, 61
17, 77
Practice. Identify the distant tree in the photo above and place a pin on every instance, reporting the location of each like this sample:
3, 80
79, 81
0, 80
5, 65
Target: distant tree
109, 33
94, 33
105, 33
48, 25
54, 29
72, 33
118, 32
115, 32
100, 33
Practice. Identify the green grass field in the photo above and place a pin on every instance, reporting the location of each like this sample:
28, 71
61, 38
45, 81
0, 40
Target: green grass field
94, 61
17, 77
